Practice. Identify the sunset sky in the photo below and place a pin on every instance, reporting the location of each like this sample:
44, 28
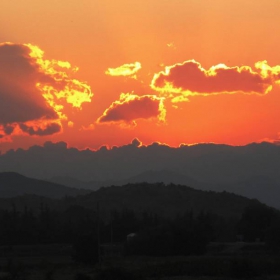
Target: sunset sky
94, 73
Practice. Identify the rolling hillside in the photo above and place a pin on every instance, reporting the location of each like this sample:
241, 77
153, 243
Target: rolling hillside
13, 184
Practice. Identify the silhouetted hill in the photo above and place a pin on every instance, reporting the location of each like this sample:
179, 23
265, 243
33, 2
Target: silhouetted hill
263, 188
259, 187
164, 176
13, 184
160, 199
164, 200
150, 176
75, 183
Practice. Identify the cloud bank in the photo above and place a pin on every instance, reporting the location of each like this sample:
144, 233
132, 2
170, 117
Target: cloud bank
190, 79
131, 107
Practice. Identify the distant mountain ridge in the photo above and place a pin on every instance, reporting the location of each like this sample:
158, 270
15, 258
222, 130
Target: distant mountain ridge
165, 176
203, 162
150, 176
159, 199
259, 187
165, 200
237, 169
13, 184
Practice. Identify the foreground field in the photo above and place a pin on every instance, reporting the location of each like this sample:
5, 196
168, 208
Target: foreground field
54, 262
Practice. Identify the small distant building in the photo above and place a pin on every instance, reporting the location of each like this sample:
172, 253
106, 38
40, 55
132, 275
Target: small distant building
130, 237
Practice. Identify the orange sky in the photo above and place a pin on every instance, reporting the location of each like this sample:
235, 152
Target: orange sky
135, 60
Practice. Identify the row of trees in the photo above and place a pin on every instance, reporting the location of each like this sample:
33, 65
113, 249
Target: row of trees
183, 235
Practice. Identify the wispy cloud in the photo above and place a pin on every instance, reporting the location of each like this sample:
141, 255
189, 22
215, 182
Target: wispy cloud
128, 70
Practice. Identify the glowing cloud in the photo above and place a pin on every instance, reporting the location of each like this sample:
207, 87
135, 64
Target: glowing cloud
62, 85
125, 70
70, 124
171, 45
275, 140
189, 79
131, 107
136, 142
34, 91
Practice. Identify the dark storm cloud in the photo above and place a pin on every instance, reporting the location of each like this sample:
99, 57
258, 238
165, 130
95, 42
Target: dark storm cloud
34, 91
20, 99
49, 129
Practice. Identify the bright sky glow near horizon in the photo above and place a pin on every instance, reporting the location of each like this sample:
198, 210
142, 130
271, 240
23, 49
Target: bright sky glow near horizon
94, 73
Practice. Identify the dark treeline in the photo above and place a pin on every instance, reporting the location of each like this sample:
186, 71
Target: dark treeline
53, 226
185, 234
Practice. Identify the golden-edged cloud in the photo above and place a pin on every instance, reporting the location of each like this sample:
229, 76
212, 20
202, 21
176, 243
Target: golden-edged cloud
34, 91
131, 107
190, 79
274, 140
128, 70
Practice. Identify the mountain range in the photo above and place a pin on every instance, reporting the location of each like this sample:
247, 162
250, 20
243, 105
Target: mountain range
251, 170
262, 188
19, 192
13, 184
